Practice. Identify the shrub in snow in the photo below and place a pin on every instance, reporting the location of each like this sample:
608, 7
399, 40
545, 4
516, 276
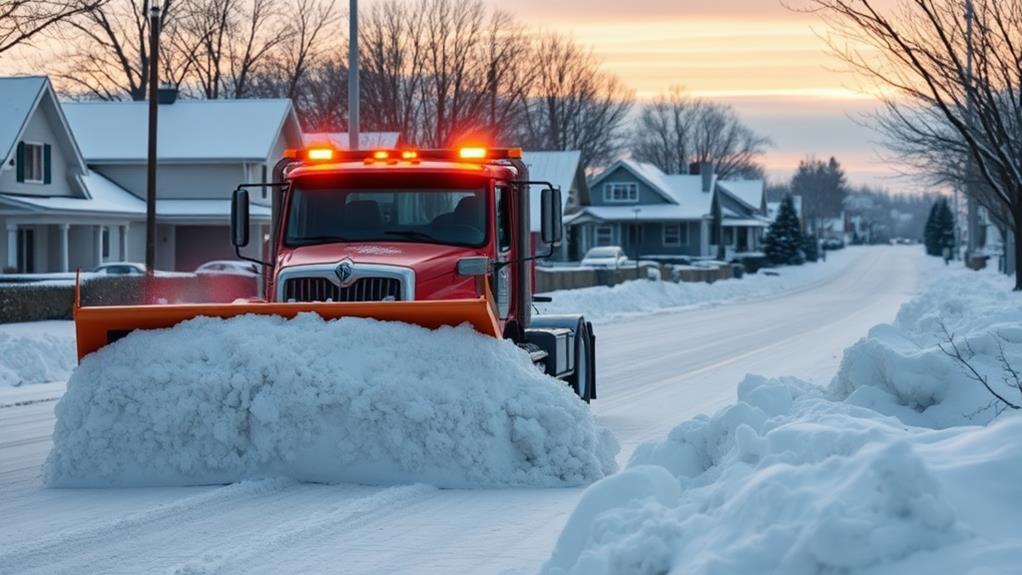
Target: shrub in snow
212, 401
35, 356
784, 243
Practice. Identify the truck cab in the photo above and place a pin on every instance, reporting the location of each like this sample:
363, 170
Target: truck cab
419, 226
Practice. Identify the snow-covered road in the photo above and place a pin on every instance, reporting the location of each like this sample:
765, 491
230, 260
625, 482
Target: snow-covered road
654, 372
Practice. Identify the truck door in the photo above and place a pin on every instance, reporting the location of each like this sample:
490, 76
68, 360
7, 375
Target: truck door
502, 280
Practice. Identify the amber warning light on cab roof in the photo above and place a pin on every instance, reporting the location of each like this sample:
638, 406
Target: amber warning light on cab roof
326, 154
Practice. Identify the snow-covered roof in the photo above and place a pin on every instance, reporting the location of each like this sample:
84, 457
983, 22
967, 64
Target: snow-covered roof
744, 222
189, 130
103, 197
558, 168
647, 213
688, 192
749, 192
18, 98
774, 207
366, 140
217, 210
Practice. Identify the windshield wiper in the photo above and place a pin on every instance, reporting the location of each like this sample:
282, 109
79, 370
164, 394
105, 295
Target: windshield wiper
306, 240
413, 235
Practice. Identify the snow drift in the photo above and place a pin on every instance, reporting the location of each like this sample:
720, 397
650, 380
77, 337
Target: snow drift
640, 297
885, 471
787, 481
900, 369
215, 401
36, 353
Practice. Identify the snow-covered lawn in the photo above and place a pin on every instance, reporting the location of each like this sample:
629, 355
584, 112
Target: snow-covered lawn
36, 352
639, 297
896, 467
351, 400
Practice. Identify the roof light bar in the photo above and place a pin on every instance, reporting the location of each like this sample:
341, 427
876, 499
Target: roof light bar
320, 154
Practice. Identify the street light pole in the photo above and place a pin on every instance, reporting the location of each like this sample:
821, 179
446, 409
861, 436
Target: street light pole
970, 121
353, 88
636, 210
154, 78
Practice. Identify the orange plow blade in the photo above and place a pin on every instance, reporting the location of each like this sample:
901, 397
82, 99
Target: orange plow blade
98, 326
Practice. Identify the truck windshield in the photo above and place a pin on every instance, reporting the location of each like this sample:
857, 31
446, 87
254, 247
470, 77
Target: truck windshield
423, 215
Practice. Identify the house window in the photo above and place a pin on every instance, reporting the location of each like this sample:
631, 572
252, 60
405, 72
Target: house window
675, 235
620, 192
604, 235
34, 165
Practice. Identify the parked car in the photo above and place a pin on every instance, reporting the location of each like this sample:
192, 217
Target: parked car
121, 269
605, 257
833, 244
234, 267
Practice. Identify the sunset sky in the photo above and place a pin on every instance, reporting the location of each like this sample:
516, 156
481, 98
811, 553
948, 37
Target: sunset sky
766, 60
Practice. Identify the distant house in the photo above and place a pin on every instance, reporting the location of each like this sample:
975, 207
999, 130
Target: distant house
205, 149
655, 215
565, 171
57, 213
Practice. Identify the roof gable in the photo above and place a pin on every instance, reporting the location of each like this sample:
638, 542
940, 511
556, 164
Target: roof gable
189, 130
647, 173
21, 98
751, 193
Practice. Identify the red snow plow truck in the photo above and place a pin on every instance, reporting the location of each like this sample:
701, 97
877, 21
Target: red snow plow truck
429, 237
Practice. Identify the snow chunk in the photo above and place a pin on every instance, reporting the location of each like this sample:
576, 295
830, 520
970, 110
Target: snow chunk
216, 401
38, 352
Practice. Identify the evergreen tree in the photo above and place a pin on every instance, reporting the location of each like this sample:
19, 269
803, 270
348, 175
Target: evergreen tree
811, 248
930, 235
940, 228
784, 242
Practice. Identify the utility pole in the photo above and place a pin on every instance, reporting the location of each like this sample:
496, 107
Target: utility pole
970, 121
353, 90
154, 79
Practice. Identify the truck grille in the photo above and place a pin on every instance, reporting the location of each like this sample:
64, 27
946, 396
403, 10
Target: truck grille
322, 289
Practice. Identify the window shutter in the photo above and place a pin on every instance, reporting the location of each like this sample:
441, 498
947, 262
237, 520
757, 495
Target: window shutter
47, 175
20, 161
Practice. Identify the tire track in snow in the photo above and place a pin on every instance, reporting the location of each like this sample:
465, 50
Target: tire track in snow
282, 535
67, 543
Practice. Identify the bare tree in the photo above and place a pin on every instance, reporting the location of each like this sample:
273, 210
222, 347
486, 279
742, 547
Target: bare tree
23, 20
574, 105
676, 130
919, 52
104, 53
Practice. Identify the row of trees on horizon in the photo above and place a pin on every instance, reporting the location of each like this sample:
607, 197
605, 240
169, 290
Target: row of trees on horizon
436, 71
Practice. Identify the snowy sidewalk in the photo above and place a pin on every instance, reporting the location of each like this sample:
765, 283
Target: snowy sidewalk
642, 297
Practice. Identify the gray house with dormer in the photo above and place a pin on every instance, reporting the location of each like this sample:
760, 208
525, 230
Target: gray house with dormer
654, 215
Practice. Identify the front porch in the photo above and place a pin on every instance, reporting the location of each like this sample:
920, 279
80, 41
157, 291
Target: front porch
41, 246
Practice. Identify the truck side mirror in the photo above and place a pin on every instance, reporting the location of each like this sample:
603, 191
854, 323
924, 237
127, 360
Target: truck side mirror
239, 218
552, 222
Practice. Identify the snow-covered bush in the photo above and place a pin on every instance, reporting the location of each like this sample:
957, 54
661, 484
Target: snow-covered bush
212, 401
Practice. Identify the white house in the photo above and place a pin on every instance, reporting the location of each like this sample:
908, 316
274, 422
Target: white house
205, 149
56, 213
564, 170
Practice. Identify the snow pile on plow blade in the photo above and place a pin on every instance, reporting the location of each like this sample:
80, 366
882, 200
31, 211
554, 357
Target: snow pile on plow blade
350, 400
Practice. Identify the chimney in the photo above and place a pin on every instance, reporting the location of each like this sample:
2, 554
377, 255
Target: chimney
167, 94
706, 170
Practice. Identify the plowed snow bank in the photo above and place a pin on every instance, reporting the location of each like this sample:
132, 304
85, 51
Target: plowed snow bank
38, 352
214, 401
885, 472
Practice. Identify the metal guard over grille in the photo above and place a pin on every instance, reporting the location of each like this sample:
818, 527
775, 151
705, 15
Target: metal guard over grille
322, 289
